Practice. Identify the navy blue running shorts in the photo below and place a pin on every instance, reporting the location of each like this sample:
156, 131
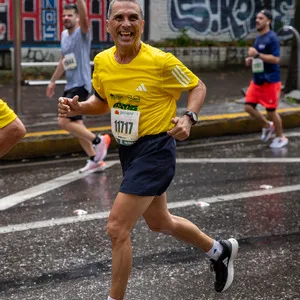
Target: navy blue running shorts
83, 95
148, 165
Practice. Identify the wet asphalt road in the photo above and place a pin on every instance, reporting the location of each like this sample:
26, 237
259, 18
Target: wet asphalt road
47, 252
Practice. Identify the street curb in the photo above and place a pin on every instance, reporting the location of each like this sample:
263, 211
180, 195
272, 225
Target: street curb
56, 143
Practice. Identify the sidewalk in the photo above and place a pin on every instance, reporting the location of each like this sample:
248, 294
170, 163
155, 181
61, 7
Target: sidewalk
222, 114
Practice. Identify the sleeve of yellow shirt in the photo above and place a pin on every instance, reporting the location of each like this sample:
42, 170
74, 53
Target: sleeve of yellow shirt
96, 82
7, 115
177, 77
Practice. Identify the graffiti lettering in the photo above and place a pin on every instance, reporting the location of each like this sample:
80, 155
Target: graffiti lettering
216, 17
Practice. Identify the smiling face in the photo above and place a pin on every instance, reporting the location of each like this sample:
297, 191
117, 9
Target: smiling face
262, 22
125, 24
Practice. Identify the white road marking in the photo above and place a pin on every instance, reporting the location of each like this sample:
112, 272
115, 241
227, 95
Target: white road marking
49, 162
115, 155
45, 187
17, 198
229, 142
240, 160
104, 215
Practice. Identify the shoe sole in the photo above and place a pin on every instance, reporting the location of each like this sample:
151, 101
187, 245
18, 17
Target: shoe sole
98, 169
287, 141
234, 252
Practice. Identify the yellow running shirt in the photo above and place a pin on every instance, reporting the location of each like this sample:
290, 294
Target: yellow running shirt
6, 114
144, 90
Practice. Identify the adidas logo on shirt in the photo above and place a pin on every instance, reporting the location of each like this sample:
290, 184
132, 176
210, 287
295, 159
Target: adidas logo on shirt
181, 77
141, 88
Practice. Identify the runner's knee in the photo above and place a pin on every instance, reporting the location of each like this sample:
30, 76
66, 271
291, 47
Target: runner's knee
21, 130
117, 231
16, 130
63, 123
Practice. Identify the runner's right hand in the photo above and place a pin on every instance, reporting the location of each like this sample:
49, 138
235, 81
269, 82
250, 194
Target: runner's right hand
248, 61
68, 107
50, 89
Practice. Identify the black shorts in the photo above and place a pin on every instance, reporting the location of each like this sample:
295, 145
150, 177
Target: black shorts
148, 165
83, 95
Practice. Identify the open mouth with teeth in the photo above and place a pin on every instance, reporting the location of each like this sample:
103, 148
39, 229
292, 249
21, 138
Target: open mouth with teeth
125, 35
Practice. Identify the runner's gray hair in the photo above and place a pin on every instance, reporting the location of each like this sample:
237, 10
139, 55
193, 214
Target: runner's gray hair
112, 2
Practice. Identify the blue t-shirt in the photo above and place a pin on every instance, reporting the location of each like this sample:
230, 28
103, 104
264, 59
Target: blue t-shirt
79, 45
268, 44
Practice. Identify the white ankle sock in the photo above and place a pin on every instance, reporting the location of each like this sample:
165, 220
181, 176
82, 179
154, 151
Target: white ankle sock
109, 298
215, 252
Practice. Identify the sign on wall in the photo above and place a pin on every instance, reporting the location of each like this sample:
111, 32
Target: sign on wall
41, 20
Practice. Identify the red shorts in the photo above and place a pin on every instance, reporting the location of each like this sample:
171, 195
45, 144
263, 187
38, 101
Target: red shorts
267, 94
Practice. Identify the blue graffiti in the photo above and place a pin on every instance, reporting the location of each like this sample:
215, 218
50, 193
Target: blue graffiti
217, 17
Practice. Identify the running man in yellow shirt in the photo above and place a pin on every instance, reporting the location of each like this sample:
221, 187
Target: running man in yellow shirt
12, 129
139, 85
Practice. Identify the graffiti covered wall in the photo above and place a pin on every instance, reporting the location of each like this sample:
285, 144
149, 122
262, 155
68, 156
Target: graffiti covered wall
221, 20
41, 20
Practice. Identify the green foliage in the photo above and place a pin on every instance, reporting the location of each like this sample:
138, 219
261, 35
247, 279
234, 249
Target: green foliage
291, 100
184, 40
242, 43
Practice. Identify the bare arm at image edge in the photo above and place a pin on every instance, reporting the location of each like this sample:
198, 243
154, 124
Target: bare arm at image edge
10, 135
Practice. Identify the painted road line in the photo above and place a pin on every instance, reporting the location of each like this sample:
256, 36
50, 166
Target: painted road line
243, 114
240, 160
237, 196
179, 160
17, 198
172, 205
201, 118
25, 164
63, 132
230, 142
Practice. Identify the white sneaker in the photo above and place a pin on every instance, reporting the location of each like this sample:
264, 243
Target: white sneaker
279, 142
101, 148
266, 133
92, 165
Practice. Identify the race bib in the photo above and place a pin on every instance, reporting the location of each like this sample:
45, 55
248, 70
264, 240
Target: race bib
257, 65
125, 125
69, 62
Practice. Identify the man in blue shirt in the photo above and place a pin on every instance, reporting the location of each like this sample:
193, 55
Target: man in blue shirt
265, 87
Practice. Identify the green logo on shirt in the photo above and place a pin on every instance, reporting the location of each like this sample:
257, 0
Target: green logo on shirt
125, 106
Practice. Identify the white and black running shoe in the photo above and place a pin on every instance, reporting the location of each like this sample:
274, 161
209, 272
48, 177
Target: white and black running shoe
223, 267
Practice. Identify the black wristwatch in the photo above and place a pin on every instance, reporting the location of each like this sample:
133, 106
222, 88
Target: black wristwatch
192, 115
256, 55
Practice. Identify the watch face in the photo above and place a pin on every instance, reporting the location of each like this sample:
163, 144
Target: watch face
195, 118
